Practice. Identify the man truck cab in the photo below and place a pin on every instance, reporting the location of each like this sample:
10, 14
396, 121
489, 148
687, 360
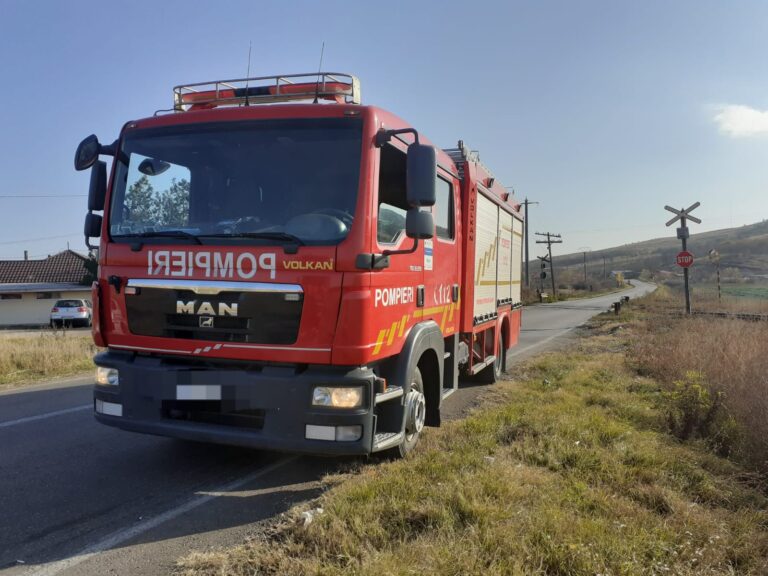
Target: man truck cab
294, 276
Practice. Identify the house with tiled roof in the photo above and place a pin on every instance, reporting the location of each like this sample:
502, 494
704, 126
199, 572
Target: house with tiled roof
30, 288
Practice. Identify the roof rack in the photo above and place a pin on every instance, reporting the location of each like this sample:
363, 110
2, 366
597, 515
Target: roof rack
335, 86
461, 154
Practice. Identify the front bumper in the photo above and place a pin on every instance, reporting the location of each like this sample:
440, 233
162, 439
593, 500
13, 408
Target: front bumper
267, 407
58, 316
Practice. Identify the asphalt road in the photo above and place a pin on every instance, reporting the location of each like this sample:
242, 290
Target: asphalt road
544, 323
80, 498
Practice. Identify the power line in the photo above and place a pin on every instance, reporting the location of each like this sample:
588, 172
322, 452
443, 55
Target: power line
40, 238
43, 195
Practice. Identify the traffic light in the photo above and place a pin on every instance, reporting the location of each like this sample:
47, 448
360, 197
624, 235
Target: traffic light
543, 273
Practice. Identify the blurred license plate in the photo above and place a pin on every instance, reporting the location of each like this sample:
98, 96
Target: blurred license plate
198, 392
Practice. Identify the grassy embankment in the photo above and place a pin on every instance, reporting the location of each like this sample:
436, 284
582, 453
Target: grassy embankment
28, 359
569, 469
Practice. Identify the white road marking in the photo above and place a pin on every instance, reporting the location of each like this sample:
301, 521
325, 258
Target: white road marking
121, 536
27, 419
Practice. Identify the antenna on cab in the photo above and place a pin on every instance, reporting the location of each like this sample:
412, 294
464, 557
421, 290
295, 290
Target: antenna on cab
248, 72
319, 68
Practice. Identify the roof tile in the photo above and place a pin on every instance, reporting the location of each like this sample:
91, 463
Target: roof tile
67, 266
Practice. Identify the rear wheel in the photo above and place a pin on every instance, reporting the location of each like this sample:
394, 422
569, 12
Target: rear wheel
415, 415
492, 373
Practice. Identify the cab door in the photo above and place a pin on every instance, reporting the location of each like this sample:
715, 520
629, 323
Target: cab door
442, 262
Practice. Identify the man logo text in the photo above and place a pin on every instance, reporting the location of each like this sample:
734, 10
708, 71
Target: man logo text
192, 307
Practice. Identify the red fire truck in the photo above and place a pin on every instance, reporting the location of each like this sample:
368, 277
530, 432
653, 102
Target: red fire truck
303, 276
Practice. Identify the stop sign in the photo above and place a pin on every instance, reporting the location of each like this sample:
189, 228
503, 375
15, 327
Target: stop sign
684, 259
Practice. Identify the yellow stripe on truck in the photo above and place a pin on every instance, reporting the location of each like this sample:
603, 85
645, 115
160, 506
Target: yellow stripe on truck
379, 341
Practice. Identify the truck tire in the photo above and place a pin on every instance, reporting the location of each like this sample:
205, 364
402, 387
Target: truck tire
415, 415
492, 373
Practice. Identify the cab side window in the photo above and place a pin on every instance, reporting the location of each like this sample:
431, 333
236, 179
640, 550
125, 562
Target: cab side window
444, 210
393, 203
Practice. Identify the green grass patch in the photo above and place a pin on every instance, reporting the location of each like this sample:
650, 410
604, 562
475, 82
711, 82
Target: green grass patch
566, 471
746, 291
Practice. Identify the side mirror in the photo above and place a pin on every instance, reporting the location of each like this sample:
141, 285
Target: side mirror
419, 225
92, 228
421, 174
98, 189
87, 152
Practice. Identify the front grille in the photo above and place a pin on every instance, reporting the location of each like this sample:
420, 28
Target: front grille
224, 328
212, 412
261, 318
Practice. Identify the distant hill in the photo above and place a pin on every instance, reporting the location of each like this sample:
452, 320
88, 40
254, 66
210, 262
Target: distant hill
743, 252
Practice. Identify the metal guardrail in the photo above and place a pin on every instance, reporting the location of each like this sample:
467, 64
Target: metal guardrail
748, 316
733, 315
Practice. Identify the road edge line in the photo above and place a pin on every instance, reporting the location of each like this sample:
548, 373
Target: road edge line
26, 419
121, 536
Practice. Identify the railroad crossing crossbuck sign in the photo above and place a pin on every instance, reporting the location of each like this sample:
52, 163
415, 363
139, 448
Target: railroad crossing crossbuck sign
684, 258
684, 214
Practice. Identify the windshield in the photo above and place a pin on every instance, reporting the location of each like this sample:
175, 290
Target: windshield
69, 303
263, 181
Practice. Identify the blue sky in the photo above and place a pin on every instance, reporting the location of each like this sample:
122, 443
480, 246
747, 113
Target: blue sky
602, 111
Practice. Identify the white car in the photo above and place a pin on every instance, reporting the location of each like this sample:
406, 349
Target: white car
71, 312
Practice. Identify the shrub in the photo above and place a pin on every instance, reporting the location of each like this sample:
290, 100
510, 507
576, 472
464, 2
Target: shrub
730, 360
694, 410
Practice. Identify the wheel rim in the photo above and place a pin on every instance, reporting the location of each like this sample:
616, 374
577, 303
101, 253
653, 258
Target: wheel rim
416, 406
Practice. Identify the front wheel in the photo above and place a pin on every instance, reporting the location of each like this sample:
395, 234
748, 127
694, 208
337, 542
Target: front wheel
415, 415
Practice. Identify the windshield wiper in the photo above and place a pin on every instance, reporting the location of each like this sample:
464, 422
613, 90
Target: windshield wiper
291, 246
285, 236
162, 234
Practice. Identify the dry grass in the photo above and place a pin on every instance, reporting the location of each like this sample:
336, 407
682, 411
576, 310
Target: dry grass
727, 358
27, 359
704, 298
568, 471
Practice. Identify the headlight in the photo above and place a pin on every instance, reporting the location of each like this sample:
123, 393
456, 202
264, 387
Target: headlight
107, 376
347, 397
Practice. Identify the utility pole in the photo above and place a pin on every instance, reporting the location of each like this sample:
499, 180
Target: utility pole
714, 257
526, 203
603, 267
549, 241
584, 250
542, 275
684, 258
